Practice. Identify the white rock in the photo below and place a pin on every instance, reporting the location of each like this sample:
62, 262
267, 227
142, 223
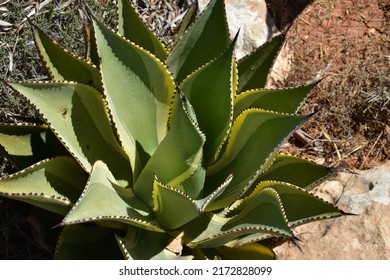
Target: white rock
362, 236
372, 186
251, 17
330, 191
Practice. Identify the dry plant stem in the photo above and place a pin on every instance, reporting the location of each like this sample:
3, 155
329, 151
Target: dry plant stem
371, 150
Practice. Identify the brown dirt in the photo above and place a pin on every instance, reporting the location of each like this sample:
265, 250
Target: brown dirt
352, 124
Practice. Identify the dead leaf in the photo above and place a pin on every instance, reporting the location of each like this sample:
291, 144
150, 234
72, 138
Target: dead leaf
5, 23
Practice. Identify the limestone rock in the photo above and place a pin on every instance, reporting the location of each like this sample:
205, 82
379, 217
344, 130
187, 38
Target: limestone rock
251, 17
365, 235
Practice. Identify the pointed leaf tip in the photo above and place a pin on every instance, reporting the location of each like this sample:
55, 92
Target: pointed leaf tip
195, 48
132, 27
254, 68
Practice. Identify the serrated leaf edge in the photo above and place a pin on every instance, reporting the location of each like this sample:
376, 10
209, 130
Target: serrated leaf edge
250, 91
210, 198
105, 217
196, 20
331, 173
160, 184
31, 194
281, 35
59, 137
273, 232
43, 60
104, 90
266, 163
140, 18
296, 223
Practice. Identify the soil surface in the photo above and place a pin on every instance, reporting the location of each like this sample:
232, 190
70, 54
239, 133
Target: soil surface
351, 126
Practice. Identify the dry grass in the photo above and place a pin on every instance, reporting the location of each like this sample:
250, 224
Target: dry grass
352, 102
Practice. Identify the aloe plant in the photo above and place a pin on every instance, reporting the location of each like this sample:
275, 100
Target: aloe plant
149, 152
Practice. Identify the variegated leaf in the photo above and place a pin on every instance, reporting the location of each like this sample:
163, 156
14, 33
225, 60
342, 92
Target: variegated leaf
167, 201
77, 114
213, 101
62, 65
285, 100
289, 169
255, 137
177, 157
26, 144
54, 184
187, 20
103, 199
246, 252
264, 215
185, 57
131, 26
254, 68
300, 206
139, 91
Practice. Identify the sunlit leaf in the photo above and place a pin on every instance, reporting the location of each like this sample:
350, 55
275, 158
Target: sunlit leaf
185, 57
131, 26
53, 184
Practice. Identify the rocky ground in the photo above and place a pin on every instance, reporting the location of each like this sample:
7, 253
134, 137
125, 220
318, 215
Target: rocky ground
362, 236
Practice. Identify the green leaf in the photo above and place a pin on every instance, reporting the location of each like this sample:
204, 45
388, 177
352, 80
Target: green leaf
213, 101
246, 252
77, 115
167, 201
299, 205
193, 186
131, 26
289, 169
250, 239
286, 100
103, 199
253, 69
140, 244
137, 87
195, 48
210, 231
186, 22
255, 137
208, 200
265, 210
53, 184
87, 242
62, 65
207, 232
178, 156
25, 144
